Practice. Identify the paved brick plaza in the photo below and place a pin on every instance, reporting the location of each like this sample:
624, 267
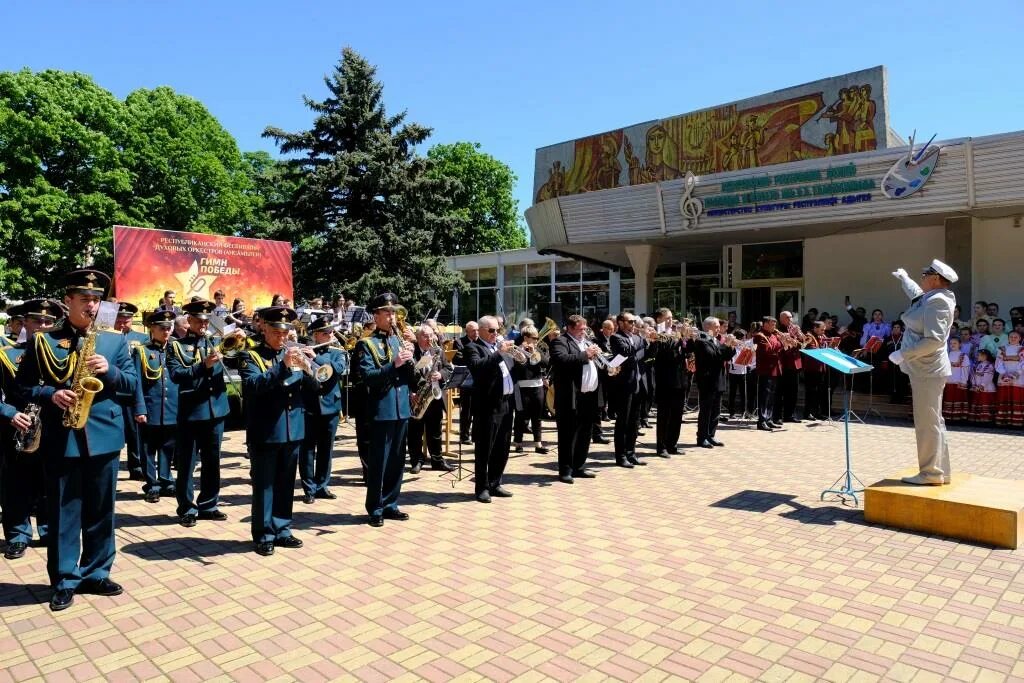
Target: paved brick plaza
713, 565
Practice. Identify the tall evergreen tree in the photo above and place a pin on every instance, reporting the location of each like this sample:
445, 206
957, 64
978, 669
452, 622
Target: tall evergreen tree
365, 207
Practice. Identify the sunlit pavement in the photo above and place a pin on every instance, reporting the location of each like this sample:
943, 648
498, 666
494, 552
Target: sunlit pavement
715, 564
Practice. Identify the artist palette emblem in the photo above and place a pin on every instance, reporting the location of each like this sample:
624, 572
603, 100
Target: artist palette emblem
907, 177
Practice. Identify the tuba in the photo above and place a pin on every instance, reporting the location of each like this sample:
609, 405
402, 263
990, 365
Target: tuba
28, 441
85, 384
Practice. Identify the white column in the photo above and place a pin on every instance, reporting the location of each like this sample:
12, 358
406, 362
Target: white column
644, 260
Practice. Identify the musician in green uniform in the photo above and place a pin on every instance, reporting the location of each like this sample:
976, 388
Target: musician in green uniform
273, 381
81, 441
383, 362
24, 483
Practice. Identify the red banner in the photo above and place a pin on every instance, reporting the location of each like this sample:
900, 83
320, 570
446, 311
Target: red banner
148, 262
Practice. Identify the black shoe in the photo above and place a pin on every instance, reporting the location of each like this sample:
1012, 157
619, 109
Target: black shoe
633, 459
136, 476
645, 424
266, 548
776, 423
519, 448
583, 474
213, 515
484, 497
673, 451
440, 464
500, 491
326, 494
723, 418
600, 439
61, 599
796, 420
187, 521
376, 520
664, 454
704, 443
104, 587
623, 462
465, 440
565, 478
153, 496
15, 550
416, 467
167, 492
396, 514
288, 542
541, 449
308, 498
716, 442
765, 427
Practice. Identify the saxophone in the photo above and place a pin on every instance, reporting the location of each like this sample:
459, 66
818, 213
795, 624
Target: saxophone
85, 384
427, 390
28, 441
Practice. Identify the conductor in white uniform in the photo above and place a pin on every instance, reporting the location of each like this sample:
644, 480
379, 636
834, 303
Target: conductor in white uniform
922, 355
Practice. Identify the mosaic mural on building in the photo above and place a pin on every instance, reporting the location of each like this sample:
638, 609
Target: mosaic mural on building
833, 116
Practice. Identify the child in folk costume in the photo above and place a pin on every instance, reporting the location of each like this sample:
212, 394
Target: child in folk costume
955, 397
1010, 389
983, 389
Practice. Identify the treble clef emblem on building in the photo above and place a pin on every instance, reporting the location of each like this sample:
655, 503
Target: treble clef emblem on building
692, 208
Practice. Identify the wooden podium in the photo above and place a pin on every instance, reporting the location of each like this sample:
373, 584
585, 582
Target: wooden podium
971, 508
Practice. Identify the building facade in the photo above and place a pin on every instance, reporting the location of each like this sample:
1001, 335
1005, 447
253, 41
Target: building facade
786, 201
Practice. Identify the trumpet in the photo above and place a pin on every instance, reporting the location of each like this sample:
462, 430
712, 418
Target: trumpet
519, 355
321, 373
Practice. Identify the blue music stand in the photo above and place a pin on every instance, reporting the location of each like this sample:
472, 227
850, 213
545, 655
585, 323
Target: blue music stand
833, 358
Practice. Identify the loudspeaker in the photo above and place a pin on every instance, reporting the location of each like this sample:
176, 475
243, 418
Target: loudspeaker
549, 309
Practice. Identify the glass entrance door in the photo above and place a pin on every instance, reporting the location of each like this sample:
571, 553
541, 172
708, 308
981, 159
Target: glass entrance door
724, 302
787, 299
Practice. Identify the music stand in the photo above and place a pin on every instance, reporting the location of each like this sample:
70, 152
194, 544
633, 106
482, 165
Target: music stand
460, 373
848, 366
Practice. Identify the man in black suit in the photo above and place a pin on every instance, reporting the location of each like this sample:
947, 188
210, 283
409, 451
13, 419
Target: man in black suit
578, 397
466, 390
602, 339
673, 384
711, 356
624, 389
490, 363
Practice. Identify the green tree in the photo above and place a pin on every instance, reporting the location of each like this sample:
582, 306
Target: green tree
483, 198
62, 176
74, 161
367, 208
186, 170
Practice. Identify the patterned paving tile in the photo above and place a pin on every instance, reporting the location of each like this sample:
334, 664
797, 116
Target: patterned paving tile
715, 565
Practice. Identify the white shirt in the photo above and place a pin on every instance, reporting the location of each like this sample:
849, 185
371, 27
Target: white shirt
507, 387
589, 381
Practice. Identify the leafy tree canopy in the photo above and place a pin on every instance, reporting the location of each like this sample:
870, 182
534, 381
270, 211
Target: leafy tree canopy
366, 211
483, 199
75, 160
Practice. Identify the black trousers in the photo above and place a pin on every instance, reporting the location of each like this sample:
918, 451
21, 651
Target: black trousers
786, 391
627, 420
465, 413
710, 398
765, 398
533, 403
670, 418
574, 432
815, 394
429, 424
492, 436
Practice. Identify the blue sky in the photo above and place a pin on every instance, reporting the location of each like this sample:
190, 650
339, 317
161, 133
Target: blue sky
517, 76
